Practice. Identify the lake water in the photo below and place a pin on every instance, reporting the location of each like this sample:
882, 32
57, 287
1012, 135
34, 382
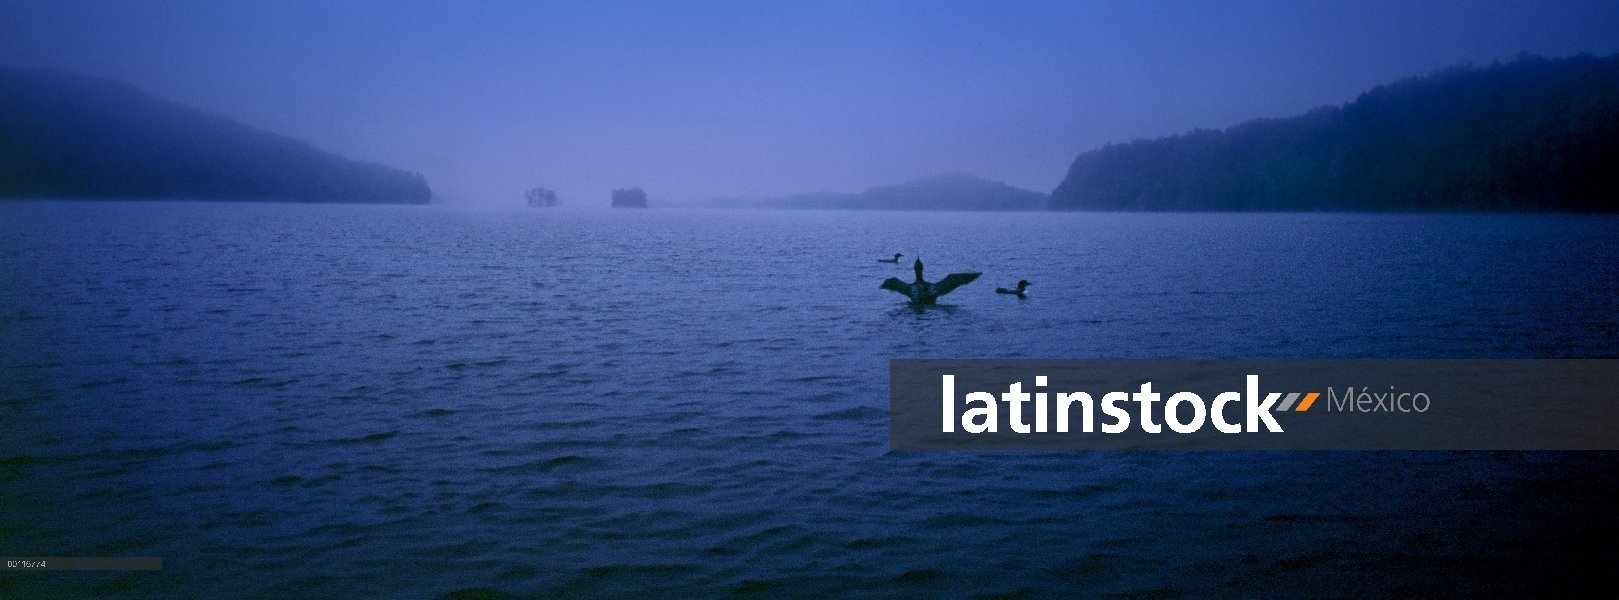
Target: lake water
342, 401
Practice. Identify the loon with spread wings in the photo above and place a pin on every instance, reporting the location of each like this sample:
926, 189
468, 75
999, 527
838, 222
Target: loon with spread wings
921, 292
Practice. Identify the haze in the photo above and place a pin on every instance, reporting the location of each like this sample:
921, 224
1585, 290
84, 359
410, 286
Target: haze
747, 99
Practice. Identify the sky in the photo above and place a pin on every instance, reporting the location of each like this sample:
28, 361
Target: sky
698, 100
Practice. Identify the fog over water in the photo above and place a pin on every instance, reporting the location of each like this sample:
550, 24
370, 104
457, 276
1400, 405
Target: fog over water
736, 99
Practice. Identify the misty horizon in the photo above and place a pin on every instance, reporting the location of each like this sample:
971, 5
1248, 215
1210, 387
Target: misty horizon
744, 102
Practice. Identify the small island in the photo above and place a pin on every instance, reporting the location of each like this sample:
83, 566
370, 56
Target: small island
629, 198
541, 197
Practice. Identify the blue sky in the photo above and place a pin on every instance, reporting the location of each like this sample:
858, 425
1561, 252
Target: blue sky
704, 99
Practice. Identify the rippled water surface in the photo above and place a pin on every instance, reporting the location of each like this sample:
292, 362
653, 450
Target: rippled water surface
332, 401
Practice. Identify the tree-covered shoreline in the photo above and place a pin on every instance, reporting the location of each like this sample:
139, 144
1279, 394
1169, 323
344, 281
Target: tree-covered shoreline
1534, 134
69, 136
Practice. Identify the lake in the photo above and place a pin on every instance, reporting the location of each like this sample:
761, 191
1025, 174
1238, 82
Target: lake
286, 400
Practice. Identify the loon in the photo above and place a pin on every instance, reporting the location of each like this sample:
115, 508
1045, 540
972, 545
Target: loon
1021, 284
892, 260
921, 292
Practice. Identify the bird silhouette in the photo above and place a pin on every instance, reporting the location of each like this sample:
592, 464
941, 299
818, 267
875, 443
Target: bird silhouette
921, 292
892, 260
1021, 284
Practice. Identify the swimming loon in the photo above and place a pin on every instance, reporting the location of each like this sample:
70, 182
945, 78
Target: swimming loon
892, 260
1021, 284
921, 292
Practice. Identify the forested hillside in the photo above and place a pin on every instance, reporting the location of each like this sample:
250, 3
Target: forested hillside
1533, 134
68, 136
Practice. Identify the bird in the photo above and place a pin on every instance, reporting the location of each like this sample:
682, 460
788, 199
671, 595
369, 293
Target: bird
1021, 284
892, 260
921, 292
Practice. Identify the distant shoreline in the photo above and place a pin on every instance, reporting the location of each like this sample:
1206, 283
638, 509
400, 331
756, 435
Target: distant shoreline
70, 136
678, 207
1532, 135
